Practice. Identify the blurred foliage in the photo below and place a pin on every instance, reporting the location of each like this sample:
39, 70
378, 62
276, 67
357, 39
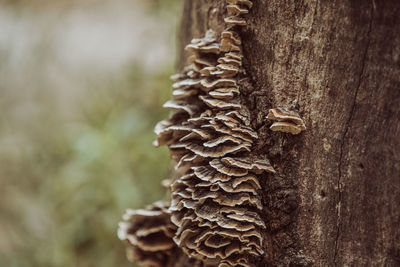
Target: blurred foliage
64, 183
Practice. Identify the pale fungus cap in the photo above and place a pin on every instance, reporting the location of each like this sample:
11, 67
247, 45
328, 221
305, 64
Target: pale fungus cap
223, 129
224, 93
218, 103
230, 60
230, 42
236, 9
246, 3
227, 70
208, 71
208, 85
249, 163
235, 21
286, 121
207, 44
211, 152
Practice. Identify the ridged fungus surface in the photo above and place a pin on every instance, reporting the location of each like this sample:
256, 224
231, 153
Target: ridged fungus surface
148, 233
215, 203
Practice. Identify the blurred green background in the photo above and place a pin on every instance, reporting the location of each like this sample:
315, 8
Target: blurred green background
81, 88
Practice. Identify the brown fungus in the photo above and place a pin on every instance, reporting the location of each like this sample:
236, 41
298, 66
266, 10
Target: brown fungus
149, 234
229, 60
234, 21
218, 103
286, 121
224, 93
246, 3
227, 70
214, 200
236, 9
249, 163
230, 42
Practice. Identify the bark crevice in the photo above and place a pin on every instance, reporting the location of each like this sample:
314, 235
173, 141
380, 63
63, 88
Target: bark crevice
346, 129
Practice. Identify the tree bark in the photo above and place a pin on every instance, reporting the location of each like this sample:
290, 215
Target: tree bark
335, 199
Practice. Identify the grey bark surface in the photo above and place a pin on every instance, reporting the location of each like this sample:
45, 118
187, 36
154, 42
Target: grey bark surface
335, 199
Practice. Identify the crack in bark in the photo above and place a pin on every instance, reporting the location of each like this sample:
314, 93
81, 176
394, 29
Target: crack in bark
347, 126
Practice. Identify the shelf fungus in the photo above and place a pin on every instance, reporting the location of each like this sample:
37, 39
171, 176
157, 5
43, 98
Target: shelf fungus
286, 121
148, 233
215, 203
214, 200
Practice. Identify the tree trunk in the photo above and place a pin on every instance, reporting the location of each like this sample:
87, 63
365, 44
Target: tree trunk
335, 199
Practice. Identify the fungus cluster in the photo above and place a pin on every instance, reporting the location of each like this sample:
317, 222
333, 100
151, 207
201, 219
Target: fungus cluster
214, 201
214, 211
148, 233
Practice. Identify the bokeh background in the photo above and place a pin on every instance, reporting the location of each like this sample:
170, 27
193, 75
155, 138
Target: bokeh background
81, 88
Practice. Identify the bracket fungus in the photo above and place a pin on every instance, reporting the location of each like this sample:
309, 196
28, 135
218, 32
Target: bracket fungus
148, 233
215, 202
286, 121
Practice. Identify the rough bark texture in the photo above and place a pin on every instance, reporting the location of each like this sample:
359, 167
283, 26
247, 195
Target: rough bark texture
335, 199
